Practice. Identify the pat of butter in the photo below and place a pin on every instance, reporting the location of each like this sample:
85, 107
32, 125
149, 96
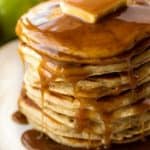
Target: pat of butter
90, 10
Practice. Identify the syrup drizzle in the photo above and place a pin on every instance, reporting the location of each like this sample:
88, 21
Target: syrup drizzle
19, 118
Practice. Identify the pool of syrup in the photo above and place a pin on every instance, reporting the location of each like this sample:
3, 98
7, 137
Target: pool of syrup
33, 140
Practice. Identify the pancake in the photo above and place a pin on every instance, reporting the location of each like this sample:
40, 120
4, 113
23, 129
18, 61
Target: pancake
69, 39
56, 127
86, 85
83, 71
107, 104
99, 85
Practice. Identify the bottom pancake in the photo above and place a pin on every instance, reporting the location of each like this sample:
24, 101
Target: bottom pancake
131, 127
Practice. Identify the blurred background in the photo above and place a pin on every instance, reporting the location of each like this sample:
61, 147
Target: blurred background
10, 11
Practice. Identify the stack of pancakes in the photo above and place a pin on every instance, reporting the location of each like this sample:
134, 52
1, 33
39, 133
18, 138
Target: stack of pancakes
86, 85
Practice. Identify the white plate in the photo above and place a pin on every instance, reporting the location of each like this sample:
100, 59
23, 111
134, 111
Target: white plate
11, 74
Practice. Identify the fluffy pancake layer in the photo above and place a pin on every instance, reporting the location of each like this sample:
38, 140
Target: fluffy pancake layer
85, 85
67, 35
128, 123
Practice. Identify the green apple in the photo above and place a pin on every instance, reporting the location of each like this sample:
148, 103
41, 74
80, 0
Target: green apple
10, 11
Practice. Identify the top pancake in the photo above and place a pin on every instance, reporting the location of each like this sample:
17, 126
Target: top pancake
64, 34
